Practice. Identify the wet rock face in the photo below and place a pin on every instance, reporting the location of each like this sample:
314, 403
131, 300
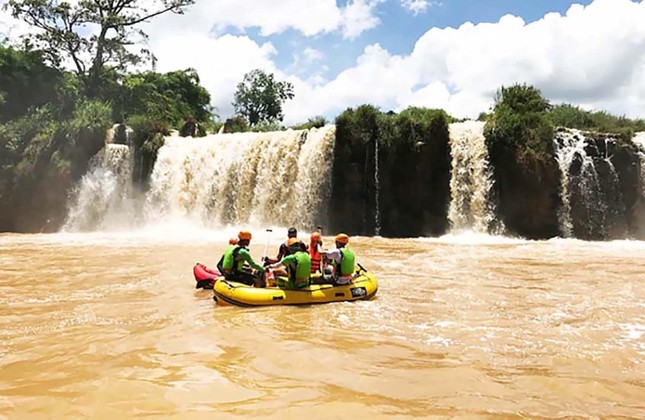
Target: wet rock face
413, 187
600, 178
527, 194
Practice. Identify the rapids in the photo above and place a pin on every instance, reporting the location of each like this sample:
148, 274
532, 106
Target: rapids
110, 325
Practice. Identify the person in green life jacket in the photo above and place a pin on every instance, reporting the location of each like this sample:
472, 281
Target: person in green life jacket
231, 266
342, 259
232, 243
297, 264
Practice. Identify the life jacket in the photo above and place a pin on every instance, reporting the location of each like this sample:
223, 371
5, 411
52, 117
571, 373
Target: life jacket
300, 270
314, 253
347, 262
231, 262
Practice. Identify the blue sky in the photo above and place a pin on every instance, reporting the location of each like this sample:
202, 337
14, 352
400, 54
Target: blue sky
400, 28
399, 53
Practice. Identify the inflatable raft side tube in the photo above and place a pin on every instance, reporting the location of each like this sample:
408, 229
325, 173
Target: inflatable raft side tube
230, 301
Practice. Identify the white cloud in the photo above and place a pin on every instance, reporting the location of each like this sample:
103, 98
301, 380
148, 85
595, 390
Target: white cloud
312, 55
311, 17
418, 6
358, 16
9, 27
593, 56
220, 62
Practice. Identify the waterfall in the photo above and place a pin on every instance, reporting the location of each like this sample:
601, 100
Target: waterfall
577, 169
592, 204
377, 187
639, 140
102, 198
471, 182
278, 178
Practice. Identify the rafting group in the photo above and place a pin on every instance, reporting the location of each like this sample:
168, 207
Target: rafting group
300, 273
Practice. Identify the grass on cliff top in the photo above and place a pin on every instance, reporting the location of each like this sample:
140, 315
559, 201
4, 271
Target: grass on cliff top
411, 126
570, 116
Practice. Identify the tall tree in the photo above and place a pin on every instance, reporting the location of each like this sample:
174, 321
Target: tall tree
259, 97
25, 82
92, 34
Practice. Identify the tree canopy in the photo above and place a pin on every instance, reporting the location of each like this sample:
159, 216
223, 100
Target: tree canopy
259, 97
520, 121
25, 81
91, 34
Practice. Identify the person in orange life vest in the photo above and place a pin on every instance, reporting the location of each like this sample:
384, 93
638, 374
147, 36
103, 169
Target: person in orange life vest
314, 252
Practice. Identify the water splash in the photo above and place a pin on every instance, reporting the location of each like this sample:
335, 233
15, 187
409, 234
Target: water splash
278, 178
471, 182
102, 198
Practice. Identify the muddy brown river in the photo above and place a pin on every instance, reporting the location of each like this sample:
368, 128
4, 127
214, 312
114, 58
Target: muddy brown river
110, 326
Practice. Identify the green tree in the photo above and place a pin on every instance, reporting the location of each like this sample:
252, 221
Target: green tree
170, 97
65, 32
520, 121
25, 82
259, 97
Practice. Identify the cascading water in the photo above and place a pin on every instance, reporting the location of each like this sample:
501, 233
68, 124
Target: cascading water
278, 178
571, 153
102, 198
639, 140
590, 190
377, 187
471, 182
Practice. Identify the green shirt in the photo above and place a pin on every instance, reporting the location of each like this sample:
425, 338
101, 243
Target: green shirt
242, 255
302, 261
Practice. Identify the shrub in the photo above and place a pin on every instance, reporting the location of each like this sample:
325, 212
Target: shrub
236, 124
566, 115
313, 122
93, 116
520, 122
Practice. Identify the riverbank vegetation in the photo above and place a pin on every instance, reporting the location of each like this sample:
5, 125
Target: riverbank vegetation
50, 127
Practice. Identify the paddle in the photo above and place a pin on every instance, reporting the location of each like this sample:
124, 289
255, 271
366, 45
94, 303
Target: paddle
266, 249
266, 246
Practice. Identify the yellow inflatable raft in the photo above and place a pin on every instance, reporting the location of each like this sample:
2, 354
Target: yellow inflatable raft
363, 287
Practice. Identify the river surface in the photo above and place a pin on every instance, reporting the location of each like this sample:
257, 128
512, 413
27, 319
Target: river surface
111, 326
